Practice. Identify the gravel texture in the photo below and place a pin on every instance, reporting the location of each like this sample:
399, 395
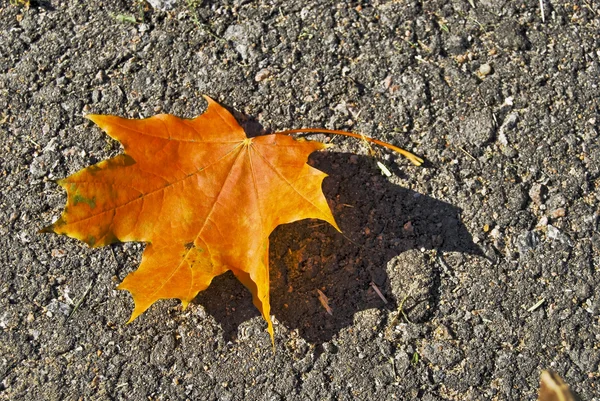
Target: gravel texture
487, 257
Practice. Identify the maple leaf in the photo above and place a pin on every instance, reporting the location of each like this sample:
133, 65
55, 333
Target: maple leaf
201, 194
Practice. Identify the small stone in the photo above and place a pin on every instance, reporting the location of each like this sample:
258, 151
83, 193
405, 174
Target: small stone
162, 353
342, 108
387, 82
41, 165
262, 74
456, 44
485, 69
244, 38
557, 213
330, 348
129, 66
502, 138
583, 290
331, 39
100, 77
55, 307
95, 96
556, 235
509, 123
527, 240
163, 5
58, 253
537, 193
509, 152
511, 36
52, 145
495, 233
564, 314
517, 199
461, 58
200, 312
477, 129
442, 333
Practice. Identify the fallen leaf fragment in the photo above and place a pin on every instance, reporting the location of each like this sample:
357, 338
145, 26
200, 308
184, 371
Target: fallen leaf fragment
325, 302
552, 388
384, 169
202, 195
378, 291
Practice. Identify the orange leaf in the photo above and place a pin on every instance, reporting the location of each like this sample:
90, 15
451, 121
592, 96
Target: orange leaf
203, 196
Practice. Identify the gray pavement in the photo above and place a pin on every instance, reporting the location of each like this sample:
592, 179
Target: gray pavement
487, 257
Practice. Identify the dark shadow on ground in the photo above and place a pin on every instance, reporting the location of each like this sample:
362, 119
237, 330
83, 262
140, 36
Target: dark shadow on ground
379, 221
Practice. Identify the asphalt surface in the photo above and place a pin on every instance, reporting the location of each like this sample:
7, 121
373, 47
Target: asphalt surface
487, 256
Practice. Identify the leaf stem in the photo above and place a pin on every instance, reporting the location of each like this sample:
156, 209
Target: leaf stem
414, 159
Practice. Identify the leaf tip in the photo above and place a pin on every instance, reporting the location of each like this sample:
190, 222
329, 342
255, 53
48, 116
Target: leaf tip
271, 333
416, 160
47, 229
209, 99
100, 120
138, 307
336, 227
92, 117
328, 217
137, 310
54, 227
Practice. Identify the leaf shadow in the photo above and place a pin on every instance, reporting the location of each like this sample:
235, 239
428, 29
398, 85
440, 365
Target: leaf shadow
379, 220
